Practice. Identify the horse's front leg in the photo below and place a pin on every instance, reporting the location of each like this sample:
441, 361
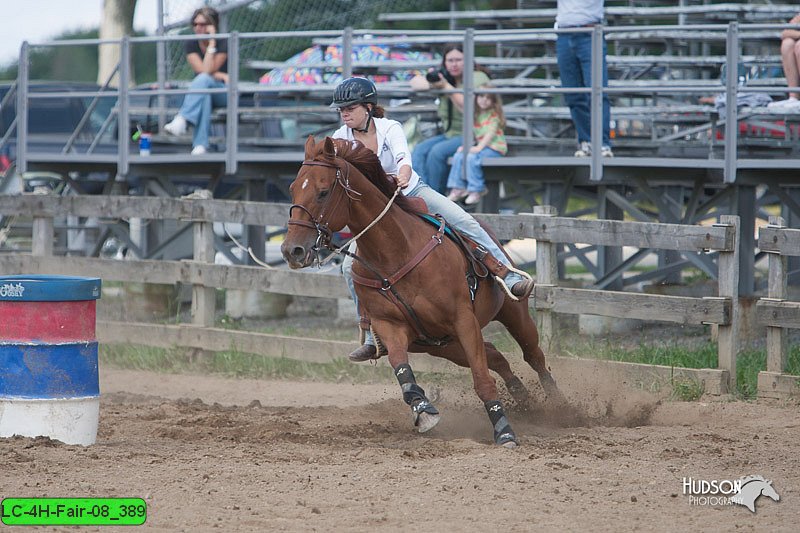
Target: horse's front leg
396, 340
469, 334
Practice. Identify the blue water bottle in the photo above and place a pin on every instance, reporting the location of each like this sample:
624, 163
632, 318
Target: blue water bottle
144, 144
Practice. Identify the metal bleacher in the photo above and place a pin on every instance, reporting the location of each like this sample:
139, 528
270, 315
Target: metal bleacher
676, 159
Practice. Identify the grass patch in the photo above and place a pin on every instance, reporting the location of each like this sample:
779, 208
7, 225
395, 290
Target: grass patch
749, 364
244, 365
237, 364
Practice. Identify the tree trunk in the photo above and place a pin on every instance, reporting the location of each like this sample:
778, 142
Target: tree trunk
117, 22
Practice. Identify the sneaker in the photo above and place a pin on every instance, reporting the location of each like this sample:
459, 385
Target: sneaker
474, 197
790, 104
177, 126
199, 150
584, 149
365, 352
605, 151
456, 195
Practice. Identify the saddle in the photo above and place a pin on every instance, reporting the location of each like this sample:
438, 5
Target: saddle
473, 251
480, 261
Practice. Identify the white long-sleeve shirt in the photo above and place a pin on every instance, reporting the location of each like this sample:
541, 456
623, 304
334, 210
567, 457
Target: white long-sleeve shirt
393, 150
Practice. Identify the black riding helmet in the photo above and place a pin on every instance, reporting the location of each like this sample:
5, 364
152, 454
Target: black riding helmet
354, 91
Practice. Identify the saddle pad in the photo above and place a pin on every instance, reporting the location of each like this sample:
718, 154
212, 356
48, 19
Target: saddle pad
433, 221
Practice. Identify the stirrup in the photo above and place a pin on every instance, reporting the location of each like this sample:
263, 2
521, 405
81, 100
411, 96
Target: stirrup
382, 351
506, 288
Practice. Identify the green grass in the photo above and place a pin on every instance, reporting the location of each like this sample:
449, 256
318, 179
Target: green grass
242, 365
245, 365
749, 363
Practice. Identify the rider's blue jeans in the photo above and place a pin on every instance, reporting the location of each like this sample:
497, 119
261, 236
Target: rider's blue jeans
197, 108
457, 218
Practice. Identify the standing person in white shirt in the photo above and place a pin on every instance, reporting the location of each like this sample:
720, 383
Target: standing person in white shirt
574, 53
357, 101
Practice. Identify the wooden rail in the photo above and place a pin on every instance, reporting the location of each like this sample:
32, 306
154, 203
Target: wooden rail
550, 230
775, 311
205, 277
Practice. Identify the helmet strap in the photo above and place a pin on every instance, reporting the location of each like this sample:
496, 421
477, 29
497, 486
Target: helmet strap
366, 126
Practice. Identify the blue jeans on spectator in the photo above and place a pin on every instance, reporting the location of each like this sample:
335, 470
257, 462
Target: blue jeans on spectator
474, 181
429, 159
574, 52
197, 108
456, 217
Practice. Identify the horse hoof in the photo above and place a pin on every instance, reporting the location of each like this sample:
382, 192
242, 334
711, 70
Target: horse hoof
507, 440
427, 422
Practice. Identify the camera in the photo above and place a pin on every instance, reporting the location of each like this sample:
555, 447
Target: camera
433, 76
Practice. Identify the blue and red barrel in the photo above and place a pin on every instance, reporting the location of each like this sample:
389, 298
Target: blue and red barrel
49, 383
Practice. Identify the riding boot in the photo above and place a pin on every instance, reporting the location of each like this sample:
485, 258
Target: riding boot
367, 351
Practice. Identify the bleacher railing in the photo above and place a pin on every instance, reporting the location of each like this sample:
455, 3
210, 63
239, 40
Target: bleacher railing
732, 34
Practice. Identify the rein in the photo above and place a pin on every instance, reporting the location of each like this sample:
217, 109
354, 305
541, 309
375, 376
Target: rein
384, 284
323, 232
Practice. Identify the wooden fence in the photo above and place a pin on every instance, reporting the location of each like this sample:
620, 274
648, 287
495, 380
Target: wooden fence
775, 311
205, 277
721, 310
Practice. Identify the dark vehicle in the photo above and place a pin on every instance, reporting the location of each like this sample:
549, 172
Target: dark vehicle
53, 121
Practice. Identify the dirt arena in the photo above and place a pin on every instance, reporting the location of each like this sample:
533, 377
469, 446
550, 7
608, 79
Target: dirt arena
250, 455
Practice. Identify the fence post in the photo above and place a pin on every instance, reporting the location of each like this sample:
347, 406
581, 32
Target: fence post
731, 109
347, 52
546, 274
232, 118
42, 236
203, 298
123, 104
728, 266
22, 108
776, 288
596, 106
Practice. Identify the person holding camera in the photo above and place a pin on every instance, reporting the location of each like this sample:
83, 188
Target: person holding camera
208, 58
430, 156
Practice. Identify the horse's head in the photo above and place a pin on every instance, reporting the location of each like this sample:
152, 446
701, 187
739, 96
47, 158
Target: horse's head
320, 203
768, 491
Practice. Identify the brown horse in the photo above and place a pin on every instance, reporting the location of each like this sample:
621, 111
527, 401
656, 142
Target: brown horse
342, 184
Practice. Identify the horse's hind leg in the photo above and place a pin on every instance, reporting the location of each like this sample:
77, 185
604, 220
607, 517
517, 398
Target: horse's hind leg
496, 361
516, 318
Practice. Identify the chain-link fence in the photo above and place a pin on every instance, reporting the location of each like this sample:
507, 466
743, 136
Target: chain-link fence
280, 15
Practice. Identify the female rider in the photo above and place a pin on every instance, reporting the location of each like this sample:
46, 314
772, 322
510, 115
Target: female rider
357, 102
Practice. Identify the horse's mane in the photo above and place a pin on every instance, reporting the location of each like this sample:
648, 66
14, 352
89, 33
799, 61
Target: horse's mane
366, 162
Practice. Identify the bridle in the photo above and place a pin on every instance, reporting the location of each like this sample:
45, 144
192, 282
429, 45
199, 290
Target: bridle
333, 204
383, 283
